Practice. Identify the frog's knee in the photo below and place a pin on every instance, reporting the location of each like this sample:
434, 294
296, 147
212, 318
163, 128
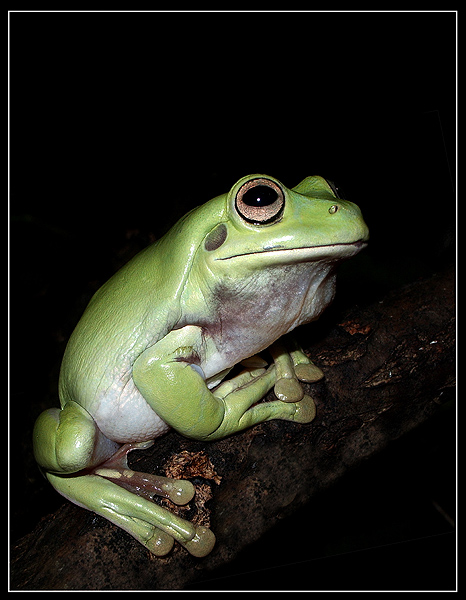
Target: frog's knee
64, 440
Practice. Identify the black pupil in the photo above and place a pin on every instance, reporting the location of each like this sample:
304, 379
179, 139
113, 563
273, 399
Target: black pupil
260, 195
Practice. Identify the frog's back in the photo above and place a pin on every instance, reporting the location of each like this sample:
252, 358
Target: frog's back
119, 323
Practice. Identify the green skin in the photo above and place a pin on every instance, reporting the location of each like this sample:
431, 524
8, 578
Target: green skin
153, 346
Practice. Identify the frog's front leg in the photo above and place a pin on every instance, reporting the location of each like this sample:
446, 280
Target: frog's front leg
92, 471
175, 387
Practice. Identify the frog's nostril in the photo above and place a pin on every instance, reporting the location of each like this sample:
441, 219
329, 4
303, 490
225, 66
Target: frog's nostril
333, 209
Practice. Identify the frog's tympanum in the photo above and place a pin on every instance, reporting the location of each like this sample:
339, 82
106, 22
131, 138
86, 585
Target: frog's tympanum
156, 341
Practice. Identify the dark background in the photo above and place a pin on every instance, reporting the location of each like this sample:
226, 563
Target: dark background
121, 122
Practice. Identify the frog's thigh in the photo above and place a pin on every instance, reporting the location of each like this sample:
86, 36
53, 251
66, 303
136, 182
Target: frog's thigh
152, 525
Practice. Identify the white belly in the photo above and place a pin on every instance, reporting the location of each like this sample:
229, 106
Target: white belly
124, 416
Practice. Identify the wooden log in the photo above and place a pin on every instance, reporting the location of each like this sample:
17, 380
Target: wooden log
388, 368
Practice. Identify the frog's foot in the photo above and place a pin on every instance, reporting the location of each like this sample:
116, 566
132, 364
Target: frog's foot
153, 526
292, 366
242, 397
116, 469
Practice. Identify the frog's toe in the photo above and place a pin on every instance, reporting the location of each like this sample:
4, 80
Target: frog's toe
116, 469
160, 543
179, 491
202, 542
305, 410
288, 390
308, 372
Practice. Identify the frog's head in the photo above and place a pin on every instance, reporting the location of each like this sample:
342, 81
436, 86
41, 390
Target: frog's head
263, 256
267, 224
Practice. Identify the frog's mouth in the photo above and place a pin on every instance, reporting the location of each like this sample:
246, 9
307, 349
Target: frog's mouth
305, 253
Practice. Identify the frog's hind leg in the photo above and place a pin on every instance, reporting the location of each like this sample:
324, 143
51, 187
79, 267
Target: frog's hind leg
70, 448
153, 526
116, 469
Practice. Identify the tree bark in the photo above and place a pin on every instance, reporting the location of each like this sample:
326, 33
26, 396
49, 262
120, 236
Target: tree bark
388, 367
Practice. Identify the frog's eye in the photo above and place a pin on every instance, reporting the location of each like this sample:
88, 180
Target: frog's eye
260, 201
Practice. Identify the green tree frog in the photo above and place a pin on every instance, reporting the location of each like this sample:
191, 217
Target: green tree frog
153, 347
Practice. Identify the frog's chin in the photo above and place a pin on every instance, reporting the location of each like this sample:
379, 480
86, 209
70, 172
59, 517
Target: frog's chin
282, 255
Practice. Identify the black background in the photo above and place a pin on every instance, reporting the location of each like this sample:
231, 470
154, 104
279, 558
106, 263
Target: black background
120, 122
